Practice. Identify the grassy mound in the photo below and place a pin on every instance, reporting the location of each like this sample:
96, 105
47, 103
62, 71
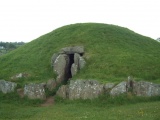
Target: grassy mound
112, 53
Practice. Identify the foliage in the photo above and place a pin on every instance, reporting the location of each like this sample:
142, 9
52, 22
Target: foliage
6, 47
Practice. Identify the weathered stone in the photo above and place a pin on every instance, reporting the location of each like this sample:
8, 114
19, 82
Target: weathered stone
61, 63
54, 57
119, 89
7, 87
44, 84
108, 87
143, 88
34, 91
72, 50
20, 75
61, 67
82, 62
51, 84
74, 69
76, 59
81, 89
63, 91
129, 84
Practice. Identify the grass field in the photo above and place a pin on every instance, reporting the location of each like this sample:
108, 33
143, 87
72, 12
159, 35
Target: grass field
105, 107
83, 110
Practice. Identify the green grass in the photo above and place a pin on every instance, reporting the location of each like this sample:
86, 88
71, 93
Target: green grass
112, 53
105, 107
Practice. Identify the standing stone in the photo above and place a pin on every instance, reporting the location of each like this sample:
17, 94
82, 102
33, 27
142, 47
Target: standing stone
74, 69
76, 59
63, 91
54, 57
81, 89
34, 91
7, 87
82, 62
51, 84
143, 88
61, 66
72, 50
119, 89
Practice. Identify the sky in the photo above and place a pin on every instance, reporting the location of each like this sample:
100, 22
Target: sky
26, 20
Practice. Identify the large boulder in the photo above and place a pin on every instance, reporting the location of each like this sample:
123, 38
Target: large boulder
84, 89
119, 89
143, 88
61, 67
72, 50
35, 91
7, 87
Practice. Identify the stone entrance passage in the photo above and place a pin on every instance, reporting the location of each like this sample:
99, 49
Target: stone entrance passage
71, 61
68, 62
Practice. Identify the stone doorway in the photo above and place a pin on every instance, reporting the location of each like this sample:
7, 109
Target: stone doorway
68, 62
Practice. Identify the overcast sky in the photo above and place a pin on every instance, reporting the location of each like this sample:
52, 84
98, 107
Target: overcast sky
25, 20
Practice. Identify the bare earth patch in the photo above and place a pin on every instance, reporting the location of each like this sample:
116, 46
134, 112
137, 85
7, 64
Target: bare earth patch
49, 101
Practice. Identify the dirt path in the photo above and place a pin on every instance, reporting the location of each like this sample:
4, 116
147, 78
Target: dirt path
49, 101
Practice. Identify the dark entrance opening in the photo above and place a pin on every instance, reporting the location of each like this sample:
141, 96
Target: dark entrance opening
68, 71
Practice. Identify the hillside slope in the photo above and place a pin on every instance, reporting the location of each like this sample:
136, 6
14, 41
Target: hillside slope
112, 53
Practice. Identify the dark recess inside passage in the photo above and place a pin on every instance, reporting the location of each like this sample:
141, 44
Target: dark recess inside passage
71, 61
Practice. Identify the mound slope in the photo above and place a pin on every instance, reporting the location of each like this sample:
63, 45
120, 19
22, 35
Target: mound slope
112, 53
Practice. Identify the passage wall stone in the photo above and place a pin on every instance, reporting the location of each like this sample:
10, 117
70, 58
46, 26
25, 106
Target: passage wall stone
61, 66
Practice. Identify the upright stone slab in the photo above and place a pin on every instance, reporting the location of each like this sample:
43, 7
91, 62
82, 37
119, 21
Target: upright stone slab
74, 69
54, 57
61, 65
34, 91
76, 59
82, 62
